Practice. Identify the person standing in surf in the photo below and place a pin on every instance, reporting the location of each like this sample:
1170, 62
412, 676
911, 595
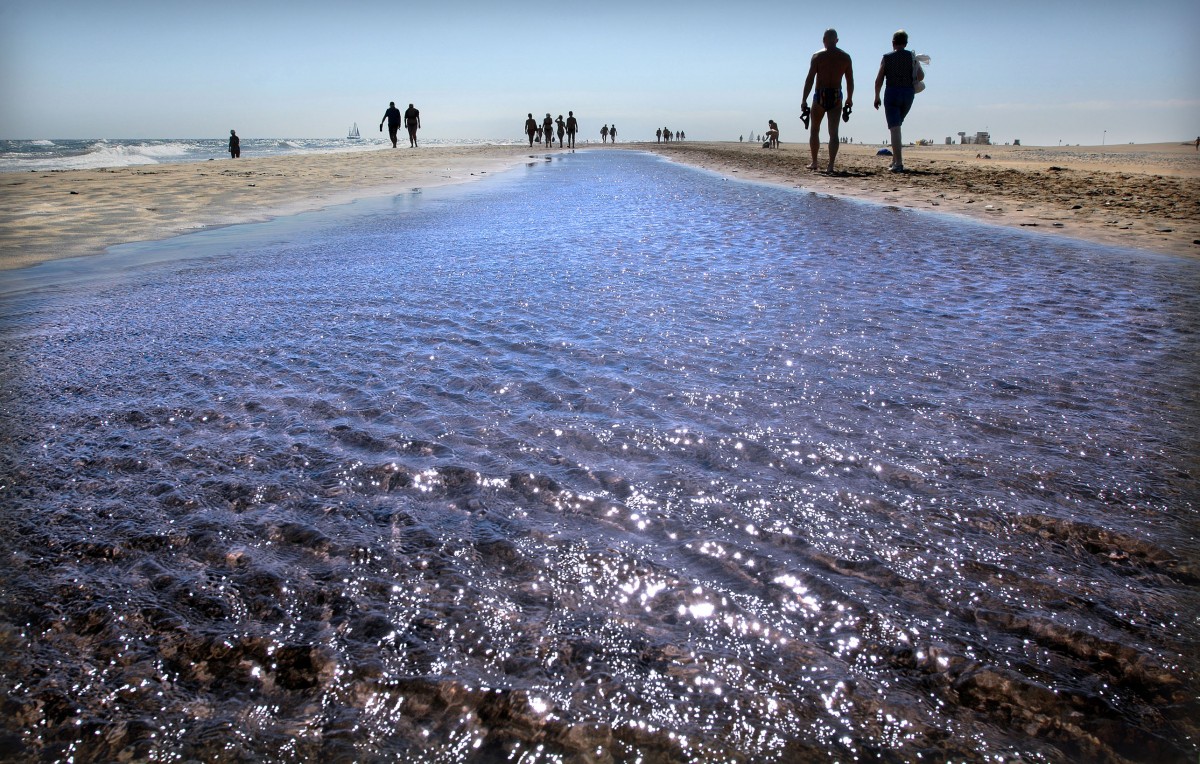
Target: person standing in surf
235, 145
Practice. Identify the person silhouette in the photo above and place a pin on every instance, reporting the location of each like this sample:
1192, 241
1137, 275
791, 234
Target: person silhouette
548, 130
531, 128
604, 134
412, 120
612, 133
392, 117
561, 126
235, 145
572, 128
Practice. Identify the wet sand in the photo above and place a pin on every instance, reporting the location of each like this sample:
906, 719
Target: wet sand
1146, 197
1141, 196
49, 215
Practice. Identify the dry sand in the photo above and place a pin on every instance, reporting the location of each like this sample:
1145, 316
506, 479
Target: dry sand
1138, 196
1141, 196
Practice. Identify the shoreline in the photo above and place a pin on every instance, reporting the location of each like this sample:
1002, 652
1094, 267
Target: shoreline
50, 215
1143, 197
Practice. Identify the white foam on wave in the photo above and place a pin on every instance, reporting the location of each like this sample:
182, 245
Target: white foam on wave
46, 155
105, 154
158, 150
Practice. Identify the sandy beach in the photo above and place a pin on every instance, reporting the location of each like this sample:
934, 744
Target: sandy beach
1146, 197
1141, 196
49, 215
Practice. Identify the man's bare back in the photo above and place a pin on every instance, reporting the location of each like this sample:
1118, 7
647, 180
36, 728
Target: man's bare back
831, 65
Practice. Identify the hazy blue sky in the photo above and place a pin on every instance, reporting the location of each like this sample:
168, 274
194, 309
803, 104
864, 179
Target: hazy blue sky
1041, 72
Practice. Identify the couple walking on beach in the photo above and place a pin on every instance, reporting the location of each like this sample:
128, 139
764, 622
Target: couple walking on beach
412, 121
899, 69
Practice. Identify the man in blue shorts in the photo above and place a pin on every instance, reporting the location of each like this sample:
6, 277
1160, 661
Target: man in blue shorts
827, 68
899, 69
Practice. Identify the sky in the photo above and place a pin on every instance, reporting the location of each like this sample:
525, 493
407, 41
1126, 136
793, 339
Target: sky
1045, 73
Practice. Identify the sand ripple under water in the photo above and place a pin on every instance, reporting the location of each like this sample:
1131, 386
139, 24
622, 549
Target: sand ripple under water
605, 460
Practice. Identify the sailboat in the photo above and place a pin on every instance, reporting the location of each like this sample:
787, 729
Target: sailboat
353, 135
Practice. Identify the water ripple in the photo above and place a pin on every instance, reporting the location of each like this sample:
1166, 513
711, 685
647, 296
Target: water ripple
608, 460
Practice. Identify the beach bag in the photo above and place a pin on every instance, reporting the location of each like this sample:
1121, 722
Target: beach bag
918, 85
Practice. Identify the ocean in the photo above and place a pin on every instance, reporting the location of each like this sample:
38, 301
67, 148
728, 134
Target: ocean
602, 459
62, 154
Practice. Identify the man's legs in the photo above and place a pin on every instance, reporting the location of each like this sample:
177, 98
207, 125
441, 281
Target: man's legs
897, 143
835, 122
814, 133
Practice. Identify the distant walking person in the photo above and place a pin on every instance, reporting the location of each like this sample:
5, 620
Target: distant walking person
572, 128
392, 117
612, 133
827, 69
561, 125
901, 72
235, 145
531, 128
412, 120
604, 134
548, 130
658, 135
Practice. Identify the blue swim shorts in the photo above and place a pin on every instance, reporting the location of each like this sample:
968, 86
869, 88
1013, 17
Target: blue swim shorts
896, 103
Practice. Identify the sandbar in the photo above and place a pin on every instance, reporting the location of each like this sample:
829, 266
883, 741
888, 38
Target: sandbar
1144, 196
50, 215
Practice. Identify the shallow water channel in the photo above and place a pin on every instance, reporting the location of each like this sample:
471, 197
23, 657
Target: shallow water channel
604, 459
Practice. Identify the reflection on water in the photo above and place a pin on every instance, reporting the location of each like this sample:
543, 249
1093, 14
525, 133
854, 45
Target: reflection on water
606, 460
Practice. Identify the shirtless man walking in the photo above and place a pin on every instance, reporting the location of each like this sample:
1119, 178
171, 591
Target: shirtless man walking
412, 120
827, 69
572, 128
